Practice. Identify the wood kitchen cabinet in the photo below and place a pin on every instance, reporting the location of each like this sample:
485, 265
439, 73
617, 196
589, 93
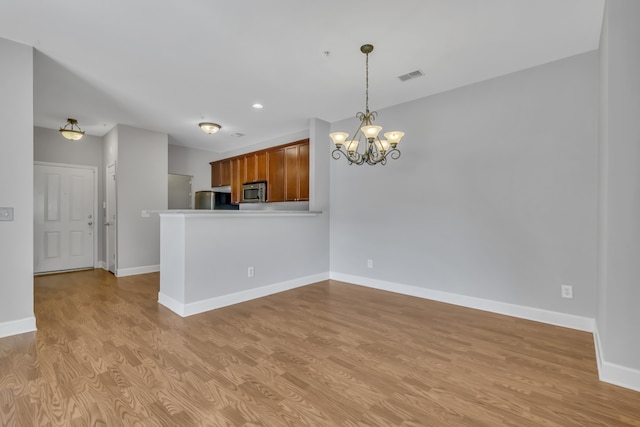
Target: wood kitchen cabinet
285, 168
215, 174
261, 166
297, 172
275, 175
250, 168
237, 178
221, 173
256, 166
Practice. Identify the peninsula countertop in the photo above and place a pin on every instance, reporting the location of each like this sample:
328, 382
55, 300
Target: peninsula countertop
231, 213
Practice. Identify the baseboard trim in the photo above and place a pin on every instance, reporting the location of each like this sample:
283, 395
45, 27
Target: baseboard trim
16, 327
530, 313
197, 307
612, 373
123, 272
101, 264
173, 305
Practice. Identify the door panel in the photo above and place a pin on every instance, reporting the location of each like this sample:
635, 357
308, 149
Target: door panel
179, 191
64, 203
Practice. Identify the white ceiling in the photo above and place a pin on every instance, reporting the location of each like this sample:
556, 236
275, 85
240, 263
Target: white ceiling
167, 65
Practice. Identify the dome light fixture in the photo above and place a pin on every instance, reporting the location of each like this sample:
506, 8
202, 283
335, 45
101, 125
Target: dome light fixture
210, 128
375, 150
71, 130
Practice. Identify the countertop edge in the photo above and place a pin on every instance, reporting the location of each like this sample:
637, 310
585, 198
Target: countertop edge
233, 214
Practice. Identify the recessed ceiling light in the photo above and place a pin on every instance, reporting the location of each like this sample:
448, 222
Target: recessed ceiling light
258, 106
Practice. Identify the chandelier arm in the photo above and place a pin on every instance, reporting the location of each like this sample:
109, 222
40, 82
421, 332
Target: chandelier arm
352, 159
394, 153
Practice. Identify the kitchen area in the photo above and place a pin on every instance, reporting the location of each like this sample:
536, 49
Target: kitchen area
260, 228
276, 178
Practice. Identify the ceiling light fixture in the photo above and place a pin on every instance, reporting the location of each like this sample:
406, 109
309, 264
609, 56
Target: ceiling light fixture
376, 150
209, 128
258, 106
70, 132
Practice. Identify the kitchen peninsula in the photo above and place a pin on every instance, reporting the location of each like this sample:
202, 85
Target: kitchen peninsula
211, 259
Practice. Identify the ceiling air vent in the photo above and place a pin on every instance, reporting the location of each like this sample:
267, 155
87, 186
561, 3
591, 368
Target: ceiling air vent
238, 134
412, 75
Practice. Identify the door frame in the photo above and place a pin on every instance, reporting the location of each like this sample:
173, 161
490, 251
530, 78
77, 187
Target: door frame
96, 196
107, 252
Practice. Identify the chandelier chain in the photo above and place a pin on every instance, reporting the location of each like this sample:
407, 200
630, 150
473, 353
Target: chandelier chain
367, 85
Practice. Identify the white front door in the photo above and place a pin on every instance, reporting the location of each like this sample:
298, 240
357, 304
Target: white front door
64, 218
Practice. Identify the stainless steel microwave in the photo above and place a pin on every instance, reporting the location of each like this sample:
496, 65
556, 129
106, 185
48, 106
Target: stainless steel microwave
254, 192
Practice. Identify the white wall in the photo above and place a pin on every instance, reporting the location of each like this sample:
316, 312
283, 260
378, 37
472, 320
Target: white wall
494, 196
141, 185
16, 188
619, 287
50, 146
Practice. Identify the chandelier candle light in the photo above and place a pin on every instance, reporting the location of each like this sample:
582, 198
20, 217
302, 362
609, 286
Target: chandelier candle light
376, 150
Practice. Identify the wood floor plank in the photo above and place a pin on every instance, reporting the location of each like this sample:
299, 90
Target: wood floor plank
329, 354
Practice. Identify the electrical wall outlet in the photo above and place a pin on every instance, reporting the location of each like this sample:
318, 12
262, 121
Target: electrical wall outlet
567, 291
250, 272
369, 263
144, 214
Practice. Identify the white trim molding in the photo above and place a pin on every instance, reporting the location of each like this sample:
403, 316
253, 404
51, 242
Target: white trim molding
123, 272
612, 373
608, 372
16, 327
530, 313
196, 307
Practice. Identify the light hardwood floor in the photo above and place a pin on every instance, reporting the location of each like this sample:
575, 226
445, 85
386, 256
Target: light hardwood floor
328, 354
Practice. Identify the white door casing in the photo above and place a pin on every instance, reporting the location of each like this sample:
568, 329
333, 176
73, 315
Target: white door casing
64, 217
110, 219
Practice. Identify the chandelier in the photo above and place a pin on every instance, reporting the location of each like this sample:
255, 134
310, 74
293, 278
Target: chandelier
71, 130
375, 150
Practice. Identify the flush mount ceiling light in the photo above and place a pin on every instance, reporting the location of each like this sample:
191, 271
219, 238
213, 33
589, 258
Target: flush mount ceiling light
258, 106
209, 128
71, 130
375, 150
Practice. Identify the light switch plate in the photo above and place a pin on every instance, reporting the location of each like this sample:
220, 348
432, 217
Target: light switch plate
6, 214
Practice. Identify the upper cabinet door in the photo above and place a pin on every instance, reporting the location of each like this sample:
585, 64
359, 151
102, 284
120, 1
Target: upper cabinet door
225, 172
261, 166
275, 175
220, 173
297, 172
250, 164
215, 174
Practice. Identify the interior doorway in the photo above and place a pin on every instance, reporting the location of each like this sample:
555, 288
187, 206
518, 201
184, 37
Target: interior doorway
65, 207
